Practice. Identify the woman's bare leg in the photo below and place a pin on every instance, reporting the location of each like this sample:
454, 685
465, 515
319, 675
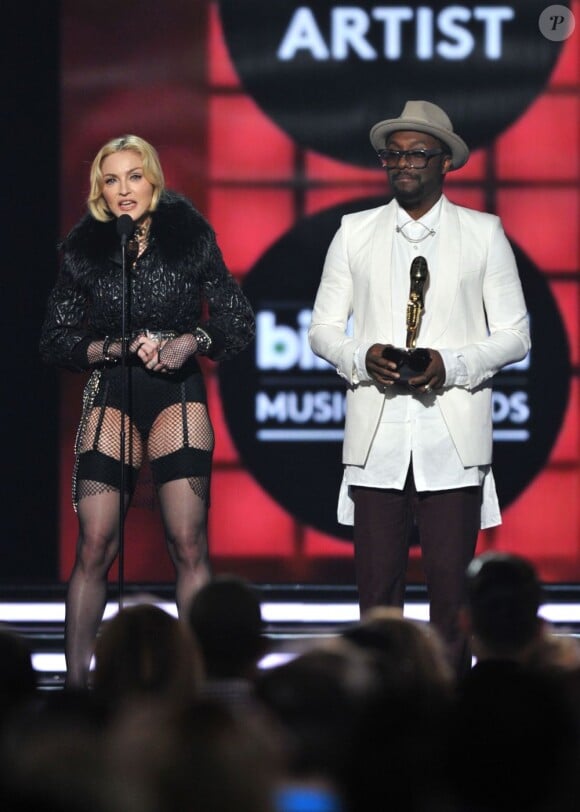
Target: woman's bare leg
184, 519
183, 499
97, 547
98, 541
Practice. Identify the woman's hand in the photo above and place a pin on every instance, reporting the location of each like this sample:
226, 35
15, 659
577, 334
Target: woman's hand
148, 349
164, 356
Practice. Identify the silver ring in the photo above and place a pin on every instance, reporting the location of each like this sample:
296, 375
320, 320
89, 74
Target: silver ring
427, 389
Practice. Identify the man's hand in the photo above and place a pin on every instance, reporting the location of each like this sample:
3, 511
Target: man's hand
385, 372
381, 371
434, 375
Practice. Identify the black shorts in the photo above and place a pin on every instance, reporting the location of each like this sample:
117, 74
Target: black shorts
148, 394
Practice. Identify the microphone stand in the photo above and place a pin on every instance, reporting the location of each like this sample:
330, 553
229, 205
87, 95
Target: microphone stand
125, 229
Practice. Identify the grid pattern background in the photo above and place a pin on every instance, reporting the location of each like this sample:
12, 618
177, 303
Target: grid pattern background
258, 190
257, 183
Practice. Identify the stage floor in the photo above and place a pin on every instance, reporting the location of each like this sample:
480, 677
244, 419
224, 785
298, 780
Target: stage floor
295, 616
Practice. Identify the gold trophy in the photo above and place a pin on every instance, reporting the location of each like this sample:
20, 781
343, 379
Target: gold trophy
411, 361
416, 304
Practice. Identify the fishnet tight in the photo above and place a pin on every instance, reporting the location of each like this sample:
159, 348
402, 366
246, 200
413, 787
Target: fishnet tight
168, 437
183, 510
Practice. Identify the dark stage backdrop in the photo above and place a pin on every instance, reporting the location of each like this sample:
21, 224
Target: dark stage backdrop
30, 223
260, 112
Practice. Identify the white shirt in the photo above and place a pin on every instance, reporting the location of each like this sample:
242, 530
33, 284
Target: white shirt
412, 425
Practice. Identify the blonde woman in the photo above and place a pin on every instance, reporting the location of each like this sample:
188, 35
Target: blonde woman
175, 273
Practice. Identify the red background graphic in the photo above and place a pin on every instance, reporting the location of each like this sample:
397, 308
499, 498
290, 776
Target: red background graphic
173, 83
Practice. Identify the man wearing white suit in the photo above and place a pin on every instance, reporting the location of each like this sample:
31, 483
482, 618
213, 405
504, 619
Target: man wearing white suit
419, 451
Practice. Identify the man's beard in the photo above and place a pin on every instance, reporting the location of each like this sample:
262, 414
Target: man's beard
406, 196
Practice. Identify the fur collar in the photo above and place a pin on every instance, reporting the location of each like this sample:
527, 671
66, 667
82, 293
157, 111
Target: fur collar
179, 232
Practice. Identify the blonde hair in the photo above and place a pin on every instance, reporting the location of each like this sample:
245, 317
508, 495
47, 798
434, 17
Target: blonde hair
151, 169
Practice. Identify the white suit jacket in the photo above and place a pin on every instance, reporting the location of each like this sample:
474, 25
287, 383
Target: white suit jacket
478, 309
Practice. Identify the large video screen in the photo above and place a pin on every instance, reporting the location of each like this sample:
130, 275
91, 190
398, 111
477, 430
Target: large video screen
260, 112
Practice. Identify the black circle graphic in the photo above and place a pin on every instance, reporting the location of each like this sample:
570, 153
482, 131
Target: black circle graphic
284, 408
325, 72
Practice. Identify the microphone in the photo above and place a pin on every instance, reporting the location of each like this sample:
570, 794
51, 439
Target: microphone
125, 227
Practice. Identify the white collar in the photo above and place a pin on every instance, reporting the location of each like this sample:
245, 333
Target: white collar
418, 230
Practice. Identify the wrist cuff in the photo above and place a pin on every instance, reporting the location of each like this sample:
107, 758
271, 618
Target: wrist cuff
204, 341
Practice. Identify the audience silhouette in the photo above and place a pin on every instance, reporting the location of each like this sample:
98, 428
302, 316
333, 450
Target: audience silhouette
226, 620
183, 716
145, 653
18, 679
401, 739
504, 596
318, 697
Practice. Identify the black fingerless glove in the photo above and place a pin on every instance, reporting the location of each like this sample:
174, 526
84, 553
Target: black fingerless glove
109, 351
106, 351
177, 351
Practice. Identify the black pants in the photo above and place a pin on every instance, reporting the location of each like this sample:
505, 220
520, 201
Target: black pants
448, 524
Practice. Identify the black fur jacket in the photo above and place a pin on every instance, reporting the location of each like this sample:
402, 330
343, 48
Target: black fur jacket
179, 277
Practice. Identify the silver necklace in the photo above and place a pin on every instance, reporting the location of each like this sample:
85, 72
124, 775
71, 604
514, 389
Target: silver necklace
429, 232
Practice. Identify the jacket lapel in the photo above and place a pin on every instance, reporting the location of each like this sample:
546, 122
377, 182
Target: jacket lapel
448, 271
381, 279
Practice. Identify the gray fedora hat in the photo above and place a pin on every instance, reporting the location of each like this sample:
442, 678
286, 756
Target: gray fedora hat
423, 117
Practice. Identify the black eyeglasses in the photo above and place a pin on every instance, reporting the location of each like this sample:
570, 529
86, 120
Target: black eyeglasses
414, 158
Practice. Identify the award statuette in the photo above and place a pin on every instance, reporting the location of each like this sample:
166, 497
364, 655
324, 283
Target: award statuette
416, 304
411, 361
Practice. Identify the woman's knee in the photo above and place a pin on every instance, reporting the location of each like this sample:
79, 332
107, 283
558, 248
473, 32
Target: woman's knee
96, 549
188, 547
